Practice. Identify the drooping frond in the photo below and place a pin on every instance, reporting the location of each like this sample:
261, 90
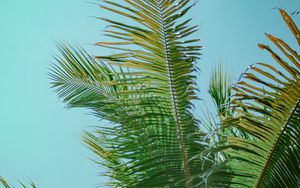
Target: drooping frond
146, 92
267, 107
6, 185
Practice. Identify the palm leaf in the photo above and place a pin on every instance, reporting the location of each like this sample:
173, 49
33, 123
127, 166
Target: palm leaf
267, 107
146, 93
6, 185
220, 91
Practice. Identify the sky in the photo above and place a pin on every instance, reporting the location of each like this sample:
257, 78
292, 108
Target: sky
40, 139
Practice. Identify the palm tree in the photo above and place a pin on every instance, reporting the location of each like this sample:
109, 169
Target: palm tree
146, 89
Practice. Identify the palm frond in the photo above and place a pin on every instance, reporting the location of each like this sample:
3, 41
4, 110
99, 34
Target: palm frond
146, 92
6, 185
267, 107
220, 91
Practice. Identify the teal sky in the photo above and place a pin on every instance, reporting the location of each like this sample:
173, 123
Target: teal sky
39, 137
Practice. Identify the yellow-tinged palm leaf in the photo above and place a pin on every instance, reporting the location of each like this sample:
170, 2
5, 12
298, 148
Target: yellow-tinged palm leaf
267, 107
145, 89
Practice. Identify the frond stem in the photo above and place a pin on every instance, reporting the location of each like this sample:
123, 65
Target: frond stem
174, 101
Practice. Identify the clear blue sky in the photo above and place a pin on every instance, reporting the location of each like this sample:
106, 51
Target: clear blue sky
39, 138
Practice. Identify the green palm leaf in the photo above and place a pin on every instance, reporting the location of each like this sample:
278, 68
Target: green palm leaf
6, 185
146, 93
267, 107
220, 91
